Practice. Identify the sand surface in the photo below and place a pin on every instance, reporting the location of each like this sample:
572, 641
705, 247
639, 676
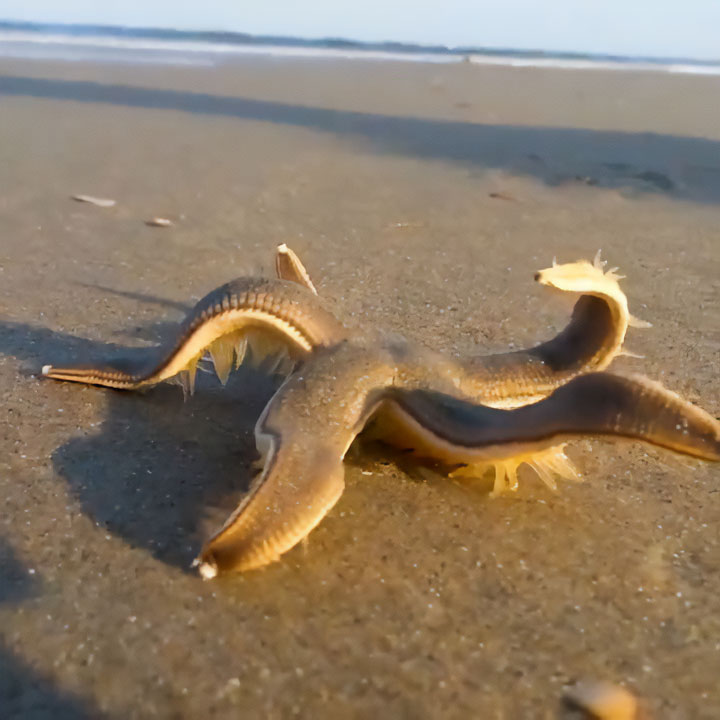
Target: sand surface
422, 199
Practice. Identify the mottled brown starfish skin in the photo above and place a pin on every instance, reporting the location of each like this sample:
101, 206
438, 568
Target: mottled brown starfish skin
304, 434
591, 340
599, 404
312, 420
281, 310
417, 397
287, 314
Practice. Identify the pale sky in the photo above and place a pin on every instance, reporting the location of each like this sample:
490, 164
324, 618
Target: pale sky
689, 28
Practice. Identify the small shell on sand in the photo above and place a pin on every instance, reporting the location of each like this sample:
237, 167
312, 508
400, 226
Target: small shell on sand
158, 222
602, 701
100, 202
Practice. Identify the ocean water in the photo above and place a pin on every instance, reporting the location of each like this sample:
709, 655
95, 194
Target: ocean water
177, 47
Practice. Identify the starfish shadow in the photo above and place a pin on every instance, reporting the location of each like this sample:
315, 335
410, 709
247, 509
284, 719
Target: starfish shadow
24, 692
159, 472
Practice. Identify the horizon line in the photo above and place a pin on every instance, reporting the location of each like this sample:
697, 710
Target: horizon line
339, 43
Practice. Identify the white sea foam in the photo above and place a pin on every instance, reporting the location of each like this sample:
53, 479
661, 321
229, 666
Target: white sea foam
595, 64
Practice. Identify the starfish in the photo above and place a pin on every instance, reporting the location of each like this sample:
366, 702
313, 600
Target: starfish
471, 414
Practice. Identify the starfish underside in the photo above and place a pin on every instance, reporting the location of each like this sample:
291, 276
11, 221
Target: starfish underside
547, 463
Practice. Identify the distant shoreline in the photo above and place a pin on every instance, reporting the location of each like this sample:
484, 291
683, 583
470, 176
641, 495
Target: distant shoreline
82, 42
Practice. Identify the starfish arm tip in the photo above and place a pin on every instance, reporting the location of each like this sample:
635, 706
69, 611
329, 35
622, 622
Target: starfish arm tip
207, 570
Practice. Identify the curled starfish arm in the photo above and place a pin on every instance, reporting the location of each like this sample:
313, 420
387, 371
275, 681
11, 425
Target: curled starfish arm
270, 316
591, 340
458, 432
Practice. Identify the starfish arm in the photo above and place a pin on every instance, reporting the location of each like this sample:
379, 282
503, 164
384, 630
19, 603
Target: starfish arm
459, 432
302, 479
303, 435
593, 337
288, 266
269, 315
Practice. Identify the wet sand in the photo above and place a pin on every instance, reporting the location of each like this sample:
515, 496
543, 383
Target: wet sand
422, 198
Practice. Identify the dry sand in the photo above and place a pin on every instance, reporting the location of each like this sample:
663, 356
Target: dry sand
423, 198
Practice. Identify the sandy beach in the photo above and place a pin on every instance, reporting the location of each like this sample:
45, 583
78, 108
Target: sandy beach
422, 199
